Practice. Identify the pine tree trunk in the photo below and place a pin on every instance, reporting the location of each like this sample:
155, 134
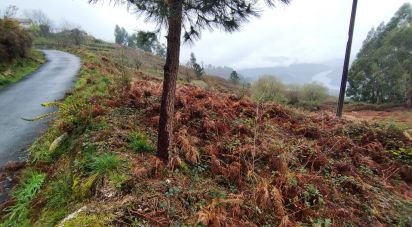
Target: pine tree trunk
171, 69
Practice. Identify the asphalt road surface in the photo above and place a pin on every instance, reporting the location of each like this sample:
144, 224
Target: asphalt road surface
24, 98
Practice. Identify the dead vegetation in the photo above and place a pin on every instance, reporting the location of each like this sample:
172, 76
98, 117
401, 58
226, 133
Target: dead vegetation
234, 163
278, 166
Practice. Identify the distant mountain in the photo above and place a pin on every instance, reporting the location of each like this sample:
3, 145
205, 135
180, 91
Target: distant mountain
220, 71
328, 73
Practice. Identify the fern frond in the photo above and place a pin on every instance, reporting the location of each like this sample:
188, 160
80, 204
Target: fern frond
40, 117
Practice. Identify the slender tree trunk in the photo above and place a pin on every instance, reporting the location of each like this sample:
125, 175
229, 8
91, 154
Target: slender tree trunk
378, 97
409, 89
171, 69
409, 98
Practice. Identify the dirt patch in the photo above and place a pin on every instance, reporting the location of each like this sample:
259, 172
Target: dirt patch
401, 116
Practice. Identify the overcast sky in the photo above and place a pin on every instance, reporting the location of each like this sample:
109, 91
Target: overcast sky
304, 31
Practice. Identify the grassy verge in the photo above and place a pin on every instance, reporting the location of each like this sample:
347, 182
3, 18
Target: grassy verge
11, 73
75, 164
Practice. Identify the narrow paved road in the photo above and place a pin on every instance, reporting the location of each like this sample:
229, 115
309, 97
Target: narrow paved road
24, 99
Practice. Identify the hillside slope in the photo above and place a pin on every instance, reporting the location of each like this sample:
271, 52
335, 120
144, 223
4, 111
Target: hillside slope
233, 163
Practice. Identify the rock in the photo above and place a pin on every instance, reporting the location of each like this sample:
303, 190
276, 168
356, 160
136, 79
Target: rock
71, 216
84, 189
57, 142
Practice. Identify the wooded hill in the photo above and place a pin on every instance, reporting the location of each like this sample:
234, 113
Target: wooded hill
382, 72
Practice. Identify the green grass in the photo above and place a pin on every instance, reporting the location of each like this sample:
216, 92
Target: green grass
105, 163
18, 214
59, 191
58, 197
118, 179
11, 73
138, 143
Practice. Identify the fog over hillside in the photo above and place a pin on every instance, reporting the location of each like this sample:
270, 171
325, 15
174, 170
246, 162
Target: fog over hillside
328, 73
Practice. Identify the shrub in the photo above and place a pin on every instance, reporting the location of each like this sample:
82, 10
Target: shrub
314, 92
70, 37
308, 96
14, 41
403, 154
269, 89
294, 94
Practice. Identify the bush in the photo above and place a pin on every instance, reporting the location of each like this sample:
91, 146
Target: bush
70, 38
14, 41
308, 96
294, 94
269, 89
314, 92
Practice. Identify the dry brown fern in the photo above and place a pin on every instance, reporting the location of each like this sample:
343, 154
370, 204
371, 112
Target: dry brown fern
278, 202
190, 152
262, 195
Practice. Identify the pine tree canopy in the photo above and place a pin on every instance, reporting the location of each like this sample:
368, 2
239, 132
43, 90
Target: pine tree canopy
199, 15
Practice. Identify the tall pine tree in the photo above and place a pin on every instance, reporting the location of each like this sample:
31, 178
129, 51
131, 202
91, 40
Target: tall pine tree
191, 17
